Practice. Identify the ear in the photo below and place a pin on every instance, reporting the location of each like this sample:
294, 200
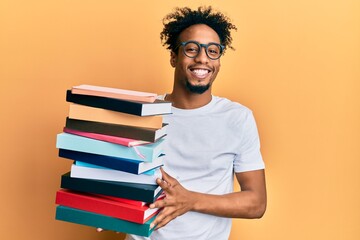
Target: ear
173, 59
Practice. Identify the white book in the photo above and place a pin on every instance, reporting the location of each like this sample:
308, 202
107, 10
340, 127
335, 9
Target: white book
108, 174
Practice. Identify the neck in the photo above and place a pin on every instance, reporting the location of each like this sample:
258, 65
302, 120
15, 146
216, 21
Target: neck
187, 100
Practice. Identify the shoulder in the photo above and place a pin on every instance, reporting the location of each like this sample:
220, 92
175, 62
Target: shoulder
235, 109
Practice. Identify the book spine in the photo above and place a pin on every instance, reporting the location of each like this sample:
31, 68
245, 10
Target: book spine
115, 189
113, 104
82, 112
121, 164
82, 144
97, 220
107, 138
145, 134
104, 206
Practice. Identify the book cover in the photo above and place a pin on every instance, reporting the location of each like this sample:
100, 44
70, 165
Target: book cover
90, 171
134, 191
127, 142
104, 206
145, 134
95, 220
81, 112
146, 152
158, 107
121, 164
110, 92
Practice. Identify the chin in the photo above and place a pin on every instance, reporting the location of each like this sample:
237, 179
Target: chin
200, 89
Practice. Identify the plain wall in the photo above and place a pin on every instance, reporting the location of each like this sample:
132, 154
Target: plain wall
296, 65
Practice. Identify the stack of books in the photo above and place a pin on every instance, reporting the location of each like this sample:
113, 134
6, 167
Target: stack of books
115, 138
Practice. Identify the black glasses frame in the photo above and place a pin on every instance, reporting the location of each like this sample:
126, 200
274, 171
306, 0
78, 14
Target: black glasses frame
202, 45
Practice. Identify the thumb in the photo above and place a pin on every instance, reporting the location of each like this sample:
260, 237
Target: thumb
166, 177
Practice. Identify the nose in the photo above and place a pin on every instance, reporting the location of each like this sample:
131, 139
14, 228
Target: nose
202, 56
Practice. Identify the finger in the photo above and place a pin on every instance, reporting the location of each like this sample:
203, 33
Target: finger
159, 203
163, 184
164, 222
160, 217
166, 177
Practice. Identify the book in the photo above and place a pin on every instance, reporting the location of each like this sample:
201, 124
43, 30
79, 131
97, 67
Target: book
121, 164
104, 206
86, 218
129, 201
158, 107
127, 142
145, 134
81, 112
117, 93
91, 171
134, 191
146, 152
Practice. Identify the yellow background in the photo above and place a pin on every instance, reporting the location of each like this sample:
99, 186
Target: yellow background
296, 65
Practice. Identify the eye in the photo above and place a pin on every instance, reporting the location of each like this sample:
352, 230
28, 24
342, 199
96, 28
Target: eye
213, 50
191, 49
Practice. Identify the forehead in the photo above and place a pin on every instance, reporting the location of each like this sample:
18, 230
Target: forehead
200, 33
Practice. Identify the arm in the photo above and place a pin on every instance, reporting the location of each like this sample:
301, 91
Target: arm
250, 202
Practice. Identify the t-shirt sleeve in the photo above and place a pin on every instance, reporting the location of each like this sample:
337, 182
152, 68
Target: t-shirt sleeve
249, 157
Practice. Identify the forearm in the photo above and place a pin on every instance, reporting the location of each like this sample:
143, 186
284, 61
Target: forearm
250, 202
244, 204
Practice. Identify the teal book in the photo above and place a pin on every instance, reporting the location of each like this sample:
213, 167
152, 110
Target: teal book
145, 153
95, 220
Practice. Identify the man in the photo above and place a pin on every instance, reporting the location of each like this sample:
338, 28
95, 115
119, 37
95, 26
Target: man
209, 138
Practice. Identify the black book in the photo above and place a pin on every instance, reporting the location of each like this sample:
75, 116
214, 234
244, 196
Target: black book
124, 131
134, 191
159, 107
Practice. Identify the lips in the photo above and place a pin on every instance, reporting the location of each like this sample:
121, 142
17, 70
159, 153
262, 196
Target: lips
200, 72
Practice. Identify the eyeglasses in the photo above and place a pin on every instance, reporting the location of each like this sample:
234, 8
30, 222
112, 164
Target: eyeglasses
192, 49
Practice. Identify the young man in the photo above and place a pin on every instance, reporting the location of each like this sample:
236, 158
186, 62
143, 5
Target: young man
209, 138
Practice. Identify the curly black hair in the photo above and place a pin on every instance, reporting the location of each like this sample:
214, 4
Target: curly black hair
182, 18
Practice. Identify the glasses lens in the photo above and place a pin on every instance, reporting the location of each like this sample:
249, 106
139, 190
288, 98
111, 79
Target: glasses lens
213, 51
191, 49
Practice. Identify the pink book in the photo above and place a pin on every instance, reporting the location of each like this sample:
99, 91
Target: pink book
107, 138
114, 93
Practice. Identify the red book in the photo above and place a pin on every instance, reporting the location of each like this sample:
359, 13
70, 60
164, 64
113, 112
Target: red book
104, 206
129, 201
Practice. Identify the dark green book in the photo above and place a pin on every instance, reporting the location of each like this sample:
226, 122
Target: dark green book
102, 221
134, 191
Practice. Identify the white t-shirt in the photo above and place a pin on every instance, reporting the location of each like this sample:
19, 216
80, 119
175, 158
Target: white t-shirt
204, 147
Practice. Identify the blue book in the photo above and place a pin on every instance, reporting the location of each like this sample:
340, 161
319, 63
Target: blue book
90, 165
145, 153
121, 164
102, 221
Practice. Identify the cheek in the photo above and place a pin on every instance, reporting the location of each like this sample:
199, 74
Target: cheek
217, 68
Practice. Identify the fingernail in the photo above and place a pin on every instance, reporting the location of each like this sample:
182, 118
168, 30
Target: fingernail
99, 229
151, 225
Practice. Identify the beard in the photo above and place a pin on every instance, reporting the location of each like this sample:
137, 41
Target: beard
199, 89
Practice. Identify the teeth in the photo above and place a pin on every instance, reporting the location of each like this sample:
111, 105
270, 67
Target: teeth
200, 71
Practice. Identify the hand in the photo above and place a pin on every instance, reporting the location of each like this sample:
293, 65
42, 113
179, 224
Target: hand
178, 200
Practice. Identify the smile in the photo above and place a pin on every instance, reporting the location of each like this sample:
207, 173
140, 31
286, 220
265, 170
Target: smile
200, 72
